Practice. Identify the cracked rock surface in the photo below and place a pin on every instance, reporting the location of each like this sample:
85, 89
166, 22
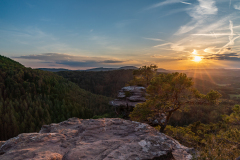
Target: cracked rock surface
94, 139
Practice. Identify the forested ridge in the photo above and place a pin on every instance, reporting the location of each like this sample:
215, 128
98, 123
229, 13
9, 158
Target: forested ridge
30, 98
106, 83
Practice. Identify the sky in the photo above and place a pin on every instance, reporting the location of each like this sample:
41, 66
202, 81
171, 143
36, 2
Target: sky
83, 34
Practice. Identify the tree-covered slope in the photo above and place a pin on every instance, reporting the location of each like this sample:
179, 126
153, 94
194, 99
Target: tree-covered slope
30, 98
106, 83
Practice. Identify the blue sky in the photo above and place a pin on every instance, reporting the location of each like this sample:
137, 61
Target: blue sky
80, 34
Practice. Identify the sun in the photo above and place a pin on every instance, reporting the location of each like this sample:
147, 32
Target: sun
197, 59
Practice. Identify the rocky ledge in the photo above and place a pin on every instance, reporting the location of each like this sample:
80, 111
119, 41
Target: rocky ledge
100, 139
129, 96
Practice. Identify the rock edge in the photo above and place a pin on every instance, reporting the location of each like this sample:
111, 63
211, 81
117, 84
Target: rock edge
96, 139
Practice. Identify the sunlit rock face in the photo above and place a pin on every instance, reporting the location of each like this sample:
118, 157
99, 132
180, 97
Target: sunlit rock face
128, 97
101, 139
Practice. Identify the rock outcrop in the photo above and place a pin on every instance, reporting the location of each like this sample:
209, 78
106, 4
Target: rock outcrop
128, 97
100, 139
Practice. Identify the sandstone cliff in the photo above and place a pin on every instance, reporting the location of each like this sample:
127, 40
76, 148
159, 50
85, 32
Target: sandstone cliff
101, 139
127, 99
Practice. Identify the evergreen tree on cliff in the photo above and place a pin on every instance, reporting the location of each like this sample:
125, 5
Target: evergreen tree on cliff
167, 93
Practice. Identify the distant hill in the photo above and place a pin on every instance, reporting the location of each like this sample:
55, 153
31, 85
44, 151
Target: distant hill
30, 98
53, 69
111, 69
92, 69
101, 69
128, 67
162, 70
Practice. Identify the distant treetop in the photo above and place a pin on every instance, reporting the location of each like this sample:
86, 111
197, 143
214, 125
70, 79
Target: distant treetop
143, 75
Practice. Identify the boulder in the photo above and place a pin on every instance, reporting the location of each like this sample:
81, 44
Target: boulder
96, 139
129, 96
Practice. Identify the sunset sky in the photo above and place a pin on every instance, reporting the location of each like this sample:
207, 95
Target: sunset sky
82, 34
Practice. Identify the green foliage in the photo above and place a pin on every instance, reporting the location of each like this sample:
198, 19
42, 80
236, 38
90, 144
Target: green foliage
213, 96
142, 112
234, 118
205, 113
213, 141
143, 75
168, 93
31, 98
7, 63
106, 83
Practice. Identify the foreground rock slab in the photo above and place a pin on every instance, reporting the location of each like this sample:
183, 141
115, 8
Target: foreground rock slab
94, 139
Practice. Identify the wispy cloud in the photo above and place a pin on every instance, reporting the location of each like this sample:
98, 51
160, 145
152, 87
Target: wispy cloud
207, 31
175, 11
213, 34
164, 44
237, 6
199, 13
111, 61
225, 56
231, 42
210, 50
172, 46
186, 3
154, 39
205, 7
231, 37
35, 38
72, 60
167, 2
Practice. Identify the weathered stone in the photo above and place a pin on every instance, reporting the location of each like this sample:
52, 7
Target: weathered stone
124, 104
129, 96
158, 119
2, 142
101, 139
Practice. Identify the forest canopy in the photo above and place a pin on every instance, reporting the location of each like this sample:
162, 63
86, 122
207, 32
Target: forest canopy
30, 98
